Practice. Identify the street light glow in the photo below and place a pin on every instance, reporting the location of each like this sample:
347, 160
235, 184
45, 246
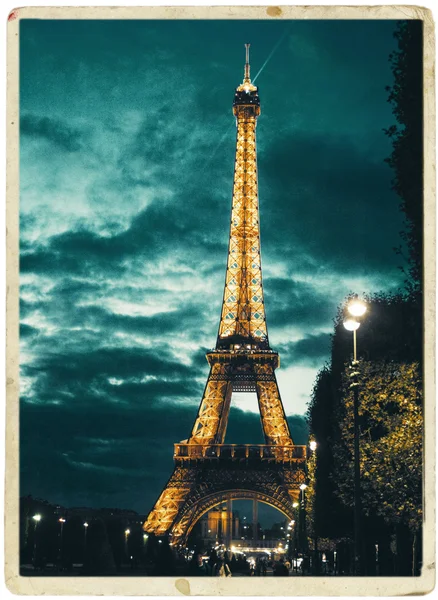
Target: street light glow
357, 308
85, 524
36, 518
61, 520
303, 486
127, 531
313, 445
351, 325
295, 505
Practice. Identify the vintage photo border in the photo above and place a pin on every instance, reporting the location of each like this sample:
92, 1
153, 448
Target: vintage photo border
170, 586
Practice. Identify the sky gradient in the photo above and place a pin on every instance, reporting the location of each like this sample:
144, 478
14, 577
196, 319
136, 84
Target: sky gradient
126, 167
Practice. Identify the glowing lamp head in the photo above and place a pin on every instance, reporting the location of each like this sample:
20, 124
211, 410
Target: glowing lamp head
61, 520
295, 504
312, 445
351, 325
356, 308
37, 518
303, 486
85, 524
127, 531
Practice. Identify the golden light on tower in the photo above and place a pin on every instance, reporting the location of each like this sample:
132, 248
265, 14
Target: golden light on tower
243, 312
242, 361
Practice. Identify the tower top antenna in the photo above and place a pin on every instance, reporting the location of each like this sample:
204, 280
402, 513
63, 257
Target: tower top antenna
247, 77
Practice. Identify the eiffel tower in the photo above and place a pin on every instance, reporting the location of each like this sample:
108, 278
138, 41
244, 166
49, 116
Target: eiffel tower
208, 472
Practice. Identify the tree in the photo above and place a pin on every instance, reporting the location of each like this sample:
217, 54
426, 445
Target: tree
391, 430
99, 559
390, 441
406, 160
329, 518
389, 335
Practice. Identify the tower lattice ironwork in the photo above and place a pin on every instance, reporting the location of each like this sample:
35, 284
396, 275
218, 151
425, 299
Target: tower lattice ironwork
207, 471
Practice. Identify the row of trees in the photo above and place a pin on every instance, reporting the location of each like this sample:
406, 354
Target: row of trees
99, 541
389, 374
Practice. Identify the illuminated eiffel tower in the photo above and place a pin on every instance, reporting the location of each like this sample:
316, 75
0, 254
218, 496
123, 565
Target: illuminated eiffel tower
207, 471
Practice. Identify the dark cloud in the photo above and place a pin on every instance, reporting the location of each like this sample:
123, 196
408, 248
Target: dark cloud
154, 232
293, 302
27, 330
52, 130
78, 373
340, 206
311, 350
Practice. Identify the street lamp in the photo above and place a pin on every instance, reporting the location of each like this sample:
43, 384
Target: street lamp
313, 445
62, 521
37, 519
302, 519
352, 325
127, 532
85, 539
356, 308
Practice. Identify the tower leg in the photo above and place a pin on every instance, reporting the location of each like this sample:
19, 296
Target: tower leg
168, 505
274, 423
212, 418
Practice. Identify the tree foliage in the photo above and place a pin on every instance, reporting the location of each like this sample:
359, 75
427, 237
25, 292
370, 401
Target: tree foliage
406, 160
390, 442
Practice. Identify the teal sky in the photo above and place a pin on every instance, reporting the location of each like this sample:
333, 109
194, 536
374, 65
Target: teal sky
126, 157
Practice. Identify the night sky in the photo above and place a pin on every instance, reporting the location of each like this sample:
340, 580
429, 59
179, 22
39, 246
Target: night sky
127, 153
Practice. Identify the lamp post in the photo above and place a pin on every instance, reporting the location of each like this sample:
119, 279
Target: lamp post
127, 532
296, 532
303, 544
37, 519
85, 540
62, 521
290, 540
356, 309
315, 564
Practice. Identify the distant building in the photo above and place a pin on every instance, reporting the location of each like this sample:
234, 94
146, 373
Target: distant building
215, 522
